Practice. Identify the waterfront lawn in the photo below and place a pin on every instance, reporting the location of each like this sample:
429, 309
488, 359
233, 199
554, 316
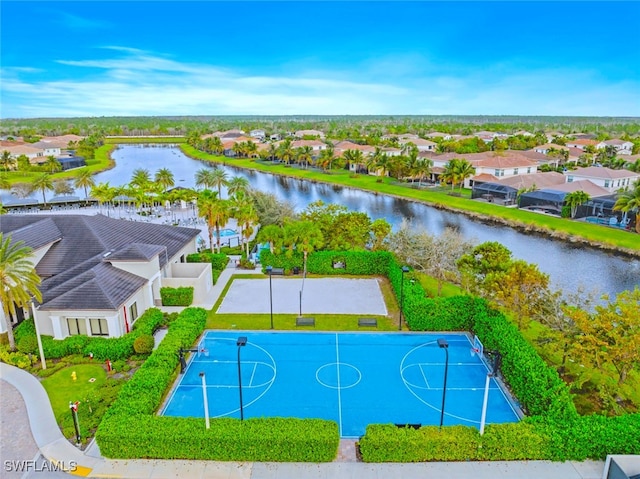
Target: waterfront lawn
439, 198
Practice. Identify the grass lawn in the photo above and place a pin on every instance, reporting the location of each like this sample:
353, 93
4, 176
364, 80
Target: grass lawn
94, 396
439, 197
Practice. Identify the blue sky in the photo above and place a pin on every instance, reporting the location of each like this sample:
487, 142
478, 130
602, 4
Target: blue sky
91, 58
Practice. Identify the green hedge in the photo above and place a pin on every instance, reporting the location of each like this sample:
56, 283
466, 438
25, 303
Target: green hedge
131, 429
102, 348
321, 262
554, 429
182, 296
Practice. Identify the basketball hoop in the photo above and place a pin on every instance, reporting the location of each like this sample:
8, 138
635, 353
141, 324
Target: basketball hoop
474, 351
204, 352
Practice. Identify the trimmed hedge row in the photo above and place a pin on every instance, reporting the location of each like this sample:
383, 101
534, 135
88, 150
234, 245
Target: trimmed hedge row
182, 296
321, 262
554, 430
130, 428
102, 348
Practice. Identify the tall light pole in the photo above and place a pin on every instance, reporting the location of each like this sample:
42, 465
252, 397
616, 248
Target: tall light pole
242, 341
270, 270
206, 402
443, 344
38, 337
405, 269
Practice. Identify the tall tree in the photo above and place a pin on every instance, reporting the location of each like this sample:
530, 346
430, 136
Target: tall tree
575, 199
611, 333
272, 234
52, 164
6, 160
522, 290
486, 258
218, 178
43, 183
85, 181
18, 280
303, 236
164, 178
215, 212
238, 185
204, 178
629, 200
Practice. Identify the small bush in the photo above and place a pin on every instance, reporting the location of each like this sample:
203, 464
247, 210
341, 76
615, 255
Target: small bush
177, 296
27, 344
144, 344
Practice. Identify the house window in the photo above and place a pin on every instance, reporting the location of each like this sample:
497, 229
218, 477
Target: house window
497, 173
182, 259
76, 326
515, 171
528, 170
569, 179
606, 183
99, 327
133, 312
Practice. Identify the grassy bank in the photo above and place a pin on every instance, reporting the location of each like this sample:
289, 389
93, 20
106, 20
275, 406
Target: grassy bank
560, 228
115, 140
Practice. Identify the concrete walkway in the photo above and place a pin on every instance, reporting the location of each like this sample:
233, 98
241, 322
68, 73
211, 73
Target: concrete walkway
39, 418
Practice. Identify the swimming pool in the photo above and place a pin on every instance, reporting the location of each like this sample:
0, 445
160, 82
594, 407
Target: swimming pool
226, 232
354, 379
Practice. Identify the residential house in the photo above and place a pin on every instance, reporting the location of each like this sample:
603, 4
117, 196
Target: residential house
50, 149
258, 134
422, 145
35, 155
607, 178
581, 143
100, 274
438, 134
316, 145
621, 146
544, 149
303, 133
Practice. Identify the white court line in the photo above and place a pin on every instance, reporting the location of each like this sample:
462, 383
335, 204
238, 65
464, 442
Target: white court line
253, 373
338, 379
424, 376
453, 364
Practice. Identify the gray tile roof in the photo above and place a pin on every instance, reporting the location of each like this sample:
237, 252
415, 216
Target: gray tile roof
75, 271
35, 235
136, 252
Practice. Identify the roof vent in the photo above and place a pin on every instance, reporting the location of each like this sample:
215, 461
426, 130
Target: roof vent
106, 254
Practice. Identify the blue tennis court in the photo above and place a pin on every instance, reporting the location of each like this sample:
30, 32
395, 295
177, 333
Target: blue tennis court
354, 379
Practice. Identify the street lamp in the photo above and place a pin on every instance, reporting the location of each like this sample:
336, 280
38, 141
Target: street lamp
405, 269
38, 337
206, 402
443, 344
242, 341
270, 270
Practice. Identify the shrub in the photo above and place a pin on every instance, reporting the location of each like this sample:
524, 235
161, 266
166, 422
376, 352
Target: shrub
144, 344
182, 296
27, 344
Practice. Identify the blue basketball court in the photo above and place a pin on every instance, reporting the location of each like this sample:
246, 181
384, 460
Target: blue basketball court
354, 379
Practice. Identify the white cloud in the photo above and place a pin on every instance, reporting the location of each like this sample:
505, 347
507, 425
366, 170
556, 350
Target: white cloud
142, 83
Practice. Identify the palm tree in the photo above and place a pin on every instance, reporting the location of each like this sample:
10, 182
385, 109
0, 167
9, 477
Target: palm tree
204, 178
84, 180
237, 185
285, 151
575, 199
464, 170
4, 183
141, 179
43, 183
271, 234
18, 281
303, 236
326, 158
52, 164
273, 151
353, 157
6, 160
215, 211
103, 192
422, 168
247, 217
165, 179
219, 179
629, 200
304, 155
250, 149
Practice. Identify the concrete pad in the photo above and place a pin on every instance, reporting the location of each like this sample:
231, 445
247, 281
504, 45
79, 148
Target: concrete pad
319, 296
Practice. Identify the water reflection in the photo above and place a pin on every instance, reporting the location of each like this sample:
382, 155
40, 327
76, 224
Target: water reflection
568, 265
